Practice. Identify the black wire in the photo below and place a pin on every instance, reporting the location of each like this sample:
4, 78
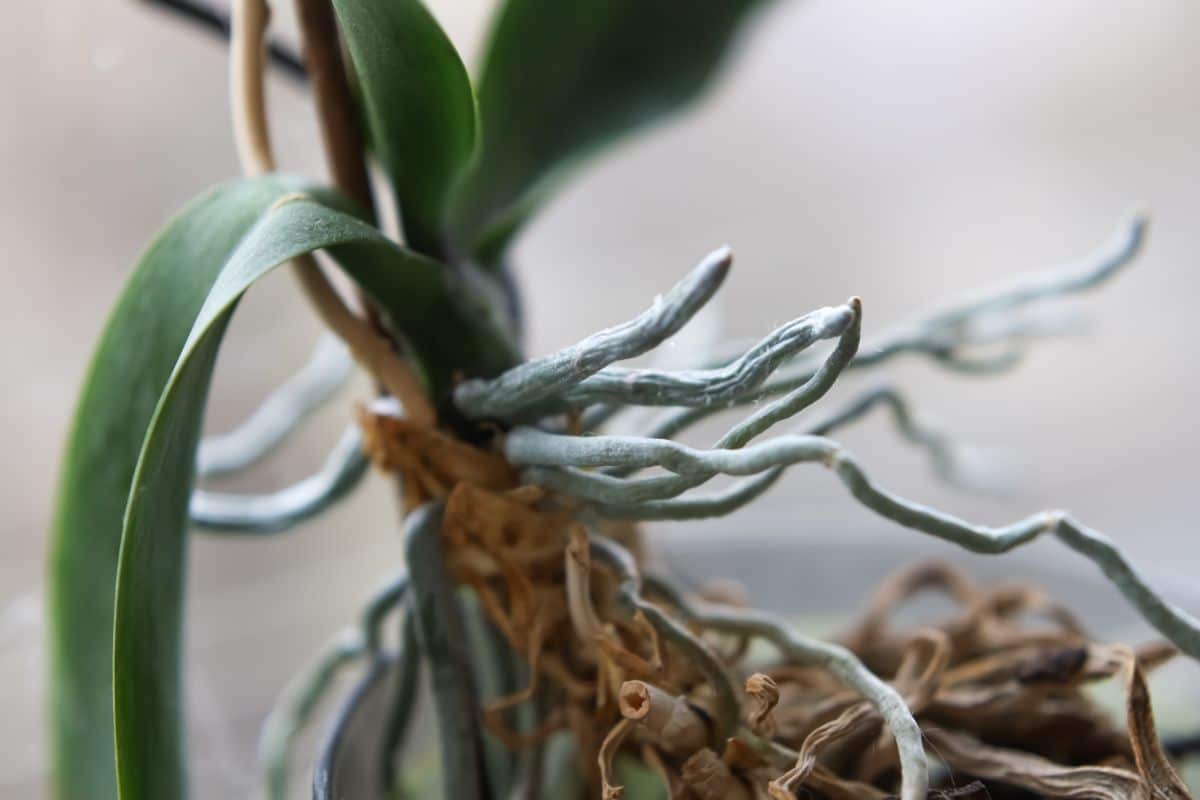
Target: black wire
217, 22
1182, 746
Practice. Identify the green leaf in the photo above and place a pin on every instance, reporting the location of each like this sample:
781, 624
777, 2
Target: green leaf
412, 292
135, 355
143, 404
419, 104
561, 80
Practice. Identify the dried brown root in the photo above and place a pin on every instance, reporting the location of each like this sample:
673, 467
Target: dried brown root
1013, 698
672, 721
582, 612
431, 463
1031, 772
654, 760
988, 622
1153, 766
852, 721
710, 778
1001, 698
763, 694
608, 748
554, 721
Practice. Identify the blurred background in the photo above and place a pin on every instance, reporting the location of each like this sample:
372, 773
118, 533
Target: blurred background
905, 152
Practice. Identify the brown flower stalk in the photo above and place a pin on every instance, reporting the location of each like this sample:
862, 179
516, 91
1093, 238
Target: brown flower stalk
251, 133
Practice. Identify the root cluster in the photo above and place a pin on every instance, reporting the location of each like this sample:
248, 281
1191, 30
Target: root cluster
632, 667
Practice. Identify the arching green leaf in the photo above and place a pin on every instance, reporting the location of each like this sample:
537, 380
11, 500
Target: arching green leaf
143, 404
562, 79
136, 353
412, 292
420, 107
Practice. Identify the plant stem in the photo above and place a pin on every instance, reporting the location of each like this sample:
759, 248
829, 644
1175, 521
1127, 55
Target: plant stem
248, 28
374, 352
338, 117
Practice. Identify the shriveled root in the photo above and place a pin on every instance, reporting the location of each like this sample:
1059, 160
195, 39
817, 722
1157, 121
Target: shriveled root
639, 670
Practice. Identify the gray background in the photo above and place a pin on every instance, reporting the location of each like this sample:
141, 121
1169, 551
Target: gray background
901, 151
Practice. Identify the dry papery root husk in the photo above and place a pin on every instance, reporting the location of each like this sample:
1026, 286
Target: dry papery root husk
998, 687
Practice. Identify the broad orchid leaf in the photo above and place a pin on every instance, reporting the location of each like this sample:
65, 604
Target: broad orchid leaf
144, 405
420, 108
135, 355
413, 294
561, 80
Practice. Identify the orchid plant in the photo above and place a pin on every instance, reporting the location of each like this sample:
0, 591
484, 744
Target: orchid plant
523, 591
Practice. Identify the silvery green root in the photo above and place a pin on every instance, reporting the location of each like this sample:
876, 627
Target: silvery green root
556, 460
782, 379
951, 337
538, 381
273, 512
528, 447
594, 468
300, 700
1178, 626
442, 635
804, 650
279, 415
718, 386
940, 449
327, 370
296, 707
948, 336
562, 461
